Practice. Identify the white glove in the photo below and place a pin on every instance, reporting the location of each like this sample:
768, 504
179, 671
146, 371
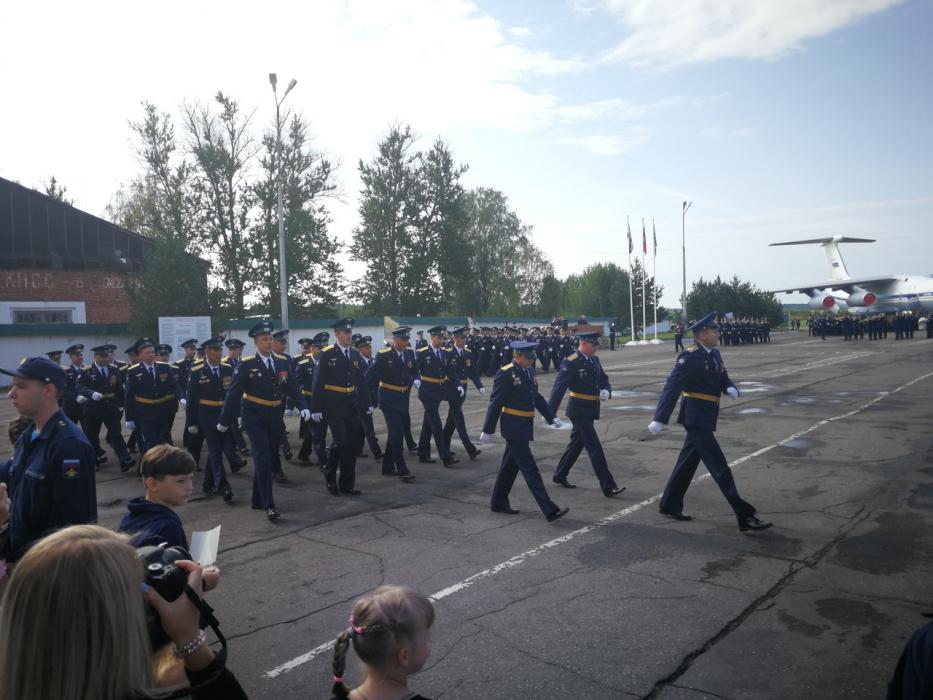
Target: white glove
291, 412
733, 392
654, 427
557, 422
317, 417
369, 410
239, 422
131, 425
97, 396
460, 391
183, 403
604, 395
81, 399
305, 414
193, 429
417, 383
485, 438
222, 428
482, 390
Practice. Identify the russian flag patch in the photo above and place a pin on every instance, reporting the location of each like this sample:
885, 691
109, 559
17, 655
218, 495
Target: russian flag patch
71, 468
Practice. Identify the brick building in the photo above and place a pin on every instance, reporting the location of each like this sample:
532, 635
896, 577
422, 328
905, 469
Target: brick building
60, 265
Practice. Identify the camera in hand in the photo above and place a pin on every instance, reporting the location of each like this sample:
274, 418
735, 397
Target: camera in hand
166, 579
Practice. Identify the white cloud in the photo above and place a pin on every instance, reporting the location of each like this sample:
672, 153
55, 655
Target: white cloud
609, 144
673, 32
521, 32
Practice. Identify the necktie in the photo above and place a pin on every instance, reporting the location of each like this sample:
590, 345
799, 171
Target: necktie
347, 354
269, 365
152, 373
217, 373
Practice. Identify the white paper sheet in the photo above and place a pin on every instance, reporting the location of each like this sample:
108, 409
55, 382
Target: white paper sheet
204, 546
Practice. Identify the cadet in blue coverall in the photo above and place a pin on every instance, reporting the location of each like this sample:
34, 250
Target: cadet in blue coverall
698, 379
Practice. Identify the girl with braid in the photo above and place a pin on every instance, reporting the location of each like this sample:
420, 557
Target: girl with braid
389, 629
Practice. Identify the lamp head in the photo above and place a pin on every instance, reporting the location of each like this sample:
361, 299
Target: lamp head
273, 79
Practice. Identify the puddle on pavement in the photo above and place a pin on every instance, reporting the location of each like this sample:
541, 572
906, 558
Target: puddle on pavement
623, 394
632, 408
799, 444
746, 411
756, 387
807, 401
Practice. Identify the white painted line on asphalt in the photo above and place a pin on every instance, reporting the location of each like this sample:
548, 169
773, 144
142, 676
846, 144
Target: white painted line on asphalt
609, 519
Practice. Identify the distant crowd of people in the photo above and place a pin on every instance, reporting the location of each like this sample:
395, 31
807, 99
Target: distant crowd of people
901, 326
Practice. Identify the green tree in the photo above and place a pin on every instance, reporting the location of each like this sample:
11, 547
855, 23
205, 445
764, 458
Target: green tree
173, 283
735, 296
602, 289
55, 190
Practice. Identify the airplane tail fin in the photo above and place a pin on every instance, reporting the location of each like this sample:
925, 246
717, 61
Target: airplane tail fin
837, 266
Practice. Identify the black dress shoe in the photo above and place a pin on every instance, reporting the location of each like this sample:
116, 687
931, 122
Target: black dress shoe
288, 456
101, 459
352, 492
679, 515
333, 489
245, 452
227, 494
237, 466
474, 453
614, 491
304, 458
273, 514
412, 447
559, 513
378, 455
208, 489
280, 478
407, 477
450, 461
508, 510
127, 465
426, 460
753, 523
563, 482
391, 473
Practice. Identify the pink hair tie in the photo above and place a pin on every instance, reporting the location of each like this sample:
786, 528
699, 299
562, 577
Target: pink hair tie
356, 628
338, 679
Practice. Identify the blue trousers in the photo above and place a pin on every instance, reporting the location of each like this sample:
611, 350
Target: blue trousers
701, 444
456, 420
517, 457
264, 432
583, 436
393, 459
432, 426
343, 451
109, 416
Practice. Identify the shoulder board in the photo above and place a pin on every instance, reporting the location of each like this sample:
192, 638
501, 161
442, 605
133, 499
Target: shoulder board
505, 367
247, 358
448, 349
571, 358
327, 347
178, 362
693, 348
157, 362
304, 361
280, 357
197, 365
135, 366
423, 348
385, 350
225, 361
86, 367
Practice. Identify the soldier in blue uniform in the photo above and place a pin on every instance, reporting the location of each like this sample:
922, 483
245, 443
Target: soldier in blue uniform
582, 373
261, 385
234, 351
73, 373
698, 379
193, 442
315, 436
421, 342
367, 431
55, 356
100, 390
338, 396
435, 369
280, 347
132, 444
391, 377
50, 480
151, 389
208, 382
465, 362
515, 397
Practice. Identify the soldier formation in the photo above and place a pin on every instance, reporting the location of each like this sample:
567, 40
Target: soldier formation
901, 326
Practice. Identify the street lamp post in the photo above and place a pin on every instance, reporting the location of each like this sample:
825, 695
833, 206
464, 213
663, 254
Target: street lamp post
283, 283
683, 222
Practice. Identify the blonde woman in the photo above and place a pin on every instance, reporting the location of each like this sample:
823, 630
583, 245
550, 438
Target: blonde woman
73, 625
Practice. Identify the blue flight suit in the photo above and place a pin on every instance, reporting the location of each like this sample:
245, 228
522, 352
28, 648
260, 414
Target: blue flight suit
585, 378
391, 377
698, 379
468, 371
106, 411
315, 435
207, 389
435, 369
149, 393
338, 393
515, 397
50, 482
258, 394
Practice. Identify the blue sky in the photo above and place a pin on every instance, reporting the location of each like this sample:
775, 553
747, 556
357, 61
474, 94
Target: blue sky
779, 120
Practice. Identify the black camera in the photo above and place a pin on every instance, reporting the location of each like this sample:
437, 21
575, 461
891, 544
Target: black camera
166, 579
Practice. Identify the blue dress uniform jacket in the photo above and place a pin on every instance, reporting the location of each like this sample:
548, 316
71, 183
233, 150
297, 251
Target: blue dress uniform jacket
50, 482
183, 367
70, 403
390, 377
435, 373
465, 363
146, 396
513, 402
585, 378
257, 391
338, 383
206, 394
699, 378
92, 380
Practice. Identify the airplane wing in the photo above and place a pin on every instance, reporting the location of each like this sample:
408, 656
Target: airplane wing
839, 285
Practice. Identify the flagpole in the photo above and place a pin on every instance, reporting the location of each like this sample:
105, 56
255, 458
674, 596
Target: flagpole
631, 298
654, 285
644, 297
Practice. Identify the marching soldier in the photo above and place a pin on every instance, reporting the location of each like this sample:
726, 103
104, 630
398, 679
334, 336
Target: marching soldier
152, 396
163, 354
515, 397
193, 442
280, 347
435, 369
261, 385
133, 357
234, 351
582, 373
391, 377
100, 388
698, 379
315, 436
208, 382
73, 372
336, 397
466, 368
367, 431
421, 342
55, 356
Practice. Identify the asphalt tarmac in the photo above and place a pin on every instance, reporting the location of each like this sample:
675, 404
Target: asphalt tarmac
830, 440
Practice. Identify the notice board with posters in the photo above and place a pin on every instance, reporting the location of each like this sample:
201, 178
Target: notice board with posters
175, 330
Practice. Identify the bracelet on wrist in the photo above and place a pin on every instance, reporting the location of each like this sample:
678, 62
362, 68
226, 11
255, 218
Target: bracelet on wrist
186, 650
